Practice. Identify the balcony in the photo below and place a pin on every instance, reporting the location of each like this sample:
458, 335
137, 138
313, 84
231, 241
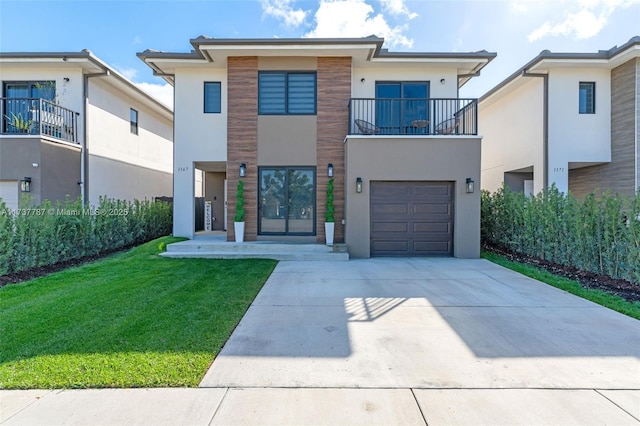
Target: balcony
384, 116
33, 116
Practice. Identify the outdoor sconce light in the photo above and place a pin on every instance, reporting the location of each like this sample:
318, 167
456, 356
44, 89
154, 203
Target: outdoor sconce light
25, 184
470, 186
362, 80
359, 185
66, 79
442, 81
243, 169
330, 170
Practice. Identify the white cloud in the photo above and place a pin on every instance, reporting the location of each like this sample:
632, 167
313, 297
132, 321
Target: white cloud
129, 73
398, 8
356, 18
283, 9
162, 92
583, 19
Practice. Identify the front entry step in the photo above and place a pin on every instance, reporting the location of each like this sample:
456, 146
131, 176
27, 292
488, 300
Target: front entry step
255, 250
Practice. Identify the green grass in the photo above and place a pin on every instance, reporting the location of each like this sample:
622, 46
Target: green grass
134, 319
600, 297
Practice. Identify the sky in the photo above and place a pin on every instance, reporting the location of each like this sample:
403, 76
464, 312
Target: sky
516, 30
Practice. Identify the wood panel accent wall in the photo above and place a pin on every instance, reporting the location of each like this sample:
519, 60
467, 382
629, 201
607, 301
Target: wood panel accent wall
334, 92
242, 141
620, 174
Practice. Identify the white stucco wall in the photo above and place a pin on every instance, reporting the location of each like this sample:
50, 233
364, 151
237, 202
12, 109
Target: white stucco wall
367, 89
512, 130
110, 138
198, 137
575, 137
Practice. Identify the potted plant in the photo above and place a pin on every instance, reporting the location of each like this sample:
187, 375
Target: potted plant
238, 224
329, 221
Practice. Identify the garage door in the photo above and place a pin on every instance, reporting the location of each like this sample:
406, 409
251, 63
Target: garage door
411, 218
9, 193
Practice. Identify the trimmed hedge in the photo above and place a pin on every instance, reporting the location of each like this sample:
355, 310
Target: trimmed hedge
48, 234
600, 233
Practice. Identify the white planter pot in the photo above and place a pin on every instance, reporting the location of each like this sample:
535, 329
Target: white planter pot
328, 231
239, 229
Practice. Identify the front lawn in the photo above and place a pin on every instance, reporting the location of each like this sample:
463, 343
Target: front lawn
134, 319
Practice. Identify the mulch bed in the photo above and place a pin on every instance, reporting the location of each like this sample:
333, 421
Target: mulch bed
623, 288
18, 277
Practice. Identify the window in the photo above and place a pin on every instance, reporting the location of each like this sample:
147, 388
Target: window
587, 102
133, 117
287, 93
212, 95
399, 104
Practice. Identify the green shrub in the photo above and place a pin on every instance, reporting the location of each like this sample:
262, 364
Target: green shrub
600, 234
46, 234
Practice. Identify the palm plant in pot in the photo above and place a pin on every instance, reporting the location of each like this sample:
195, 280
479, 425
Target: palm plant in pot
238, 219
329, 221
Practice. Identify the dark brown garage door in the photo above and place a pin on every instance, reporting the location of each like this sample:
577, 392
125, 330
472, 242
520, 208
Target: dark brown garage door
411, 218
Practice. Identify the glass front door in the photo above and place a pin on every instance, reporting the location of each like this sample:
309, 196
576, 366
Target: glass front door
287, 201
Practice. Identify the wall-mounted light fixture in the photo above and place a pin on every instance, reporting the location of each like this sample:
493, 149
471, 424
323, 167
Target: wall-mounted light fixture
362, 80
442, 81
35, 165
25, 184
66, 79
330, 170
470, 186
358, 185
243, 169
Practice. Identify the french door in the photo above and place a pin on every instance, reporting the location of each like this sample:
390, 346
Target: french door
287, 201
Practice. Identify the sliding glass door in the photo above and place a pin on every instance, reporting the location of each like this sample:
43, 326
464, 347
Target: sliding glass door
287, 201
400, 105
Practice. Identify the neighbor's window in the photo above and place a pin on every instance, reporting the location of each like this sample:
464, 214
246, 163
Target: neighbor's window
212, 96
282, 92
133, 118
587, 102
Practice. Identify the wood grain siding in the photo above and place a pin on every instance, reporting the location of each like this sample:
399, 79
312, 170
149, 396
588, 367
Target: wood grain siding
620, 174
242, 141
334, 92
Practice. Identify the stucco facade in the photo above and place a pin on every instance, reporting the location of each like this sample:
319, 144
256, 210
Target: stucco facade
300, 148
95, 152
535, 131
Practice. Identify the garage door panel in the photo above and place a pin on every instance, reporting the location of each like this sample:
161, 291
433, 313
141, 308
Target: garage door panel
384, 209
429, 208
411, 218
9, 194
395, 227
435, 227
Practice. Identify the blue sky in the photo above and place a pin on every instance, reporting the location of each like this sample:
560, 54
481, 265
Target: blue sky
517, 30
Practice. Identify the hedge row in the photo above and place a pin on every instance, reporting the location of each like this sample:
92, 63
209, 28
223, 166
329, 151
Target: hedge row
48, 234
600, 233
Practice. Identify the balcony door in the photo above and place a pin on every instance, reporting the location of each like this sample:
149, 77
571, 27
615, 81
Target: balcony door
21, 105
399, 104
287, 201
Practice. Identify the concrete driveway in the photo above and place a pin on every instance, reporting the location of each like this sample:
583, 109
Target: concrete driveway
390, 341
446, 340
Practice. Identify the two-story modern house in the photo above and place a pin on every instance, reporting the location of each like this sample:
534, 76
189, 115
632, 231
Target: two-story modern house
286, 115
70, 125
569, 119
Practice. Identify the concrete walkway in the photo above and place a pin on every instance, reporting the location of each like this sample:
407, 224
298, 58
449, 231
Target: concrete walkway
391, 341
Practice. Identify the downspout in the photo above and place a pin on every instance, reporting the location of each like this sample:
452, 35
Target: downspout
84, 158
545, 126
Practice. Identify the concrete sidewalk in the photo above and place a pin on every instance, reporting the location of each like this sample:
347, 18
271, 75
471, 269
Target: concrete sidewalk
391, 341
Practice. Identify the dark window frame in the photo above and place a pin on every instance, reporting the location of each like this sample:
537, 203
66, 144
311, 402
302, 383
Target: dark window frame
286, 92
213, 110
132, 122
587, 110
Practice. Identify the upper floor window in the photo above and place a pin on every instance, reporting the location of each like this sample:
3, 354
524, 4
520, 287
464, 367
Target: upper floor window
212, 96
587, 98
281, 92
31, 89
133, 118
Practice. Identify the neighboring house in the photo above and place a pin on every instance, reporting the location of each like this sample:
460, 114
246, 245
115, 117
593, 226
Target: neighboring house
399, 142
569, 119
73, 126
